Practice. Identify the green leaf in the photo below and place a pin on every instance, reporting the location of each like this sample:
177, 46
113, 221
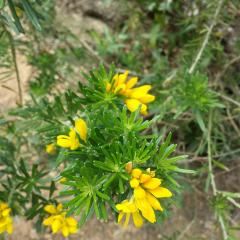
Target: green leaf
200, 121
15, 16
102, 195
181, 170
2, 4
31, 14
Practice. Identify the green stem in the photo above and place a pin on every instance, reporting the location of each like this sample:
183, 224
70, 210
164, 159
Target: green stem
210, 172
13, 51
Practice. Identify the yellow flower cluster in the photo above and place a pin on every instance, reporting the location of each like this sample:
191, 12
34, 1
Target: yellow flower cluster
5, 219
58, 220
71, 141
146, 191
135, 96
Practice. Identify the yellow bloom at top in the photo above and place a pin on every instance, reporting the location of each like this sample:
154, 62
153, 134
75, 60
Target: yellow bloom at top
71, 140
58, 220
5, 219
135, 97
50, 148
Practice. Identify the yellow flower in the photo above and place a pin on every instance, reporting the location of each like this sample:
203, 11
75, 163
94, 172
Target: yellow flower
135, 97
81, 128
63, 180
5, 219
71, 141
51, 149
126, 209
58, 220
147, 190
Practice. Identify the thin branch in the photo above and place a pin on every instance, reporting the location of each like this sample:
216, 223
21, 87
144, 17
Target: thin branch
224, 231
228, 99
205, 42
210, 170
236, 204
13, 51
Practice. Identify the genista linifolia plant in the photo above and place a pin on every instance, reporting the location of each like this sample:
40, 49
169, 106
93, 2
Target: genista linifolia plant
107, 161
127, 142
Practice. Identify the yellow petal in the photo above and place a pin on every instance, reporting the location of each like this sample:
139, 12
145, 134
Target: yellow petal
122, 205
2, 229
128, 215
132, 104
140, 91
59, 207
50, 148
160, 192
146, 209
120, 217
131, 82
143, 109
3, 206
63, 180
153, 202
48, 221
56, 225
137, 219
134, 183
72, 229
108, 87
139, 193
120, 88
151, 173
81, 128
6, 212
50, 209
63, 141
65, 231
147, 98
9, 228
71, 221
152, 183
122, 77
144, 178
136, 173
74, 143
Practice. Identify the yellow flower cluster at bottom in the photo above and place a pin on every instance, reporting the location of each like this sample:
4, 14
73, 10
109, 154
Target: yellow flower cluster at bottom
144, 201
5, 219
59, 222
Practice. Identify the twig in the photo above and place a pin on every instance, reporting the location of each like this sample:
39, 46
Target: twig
236, 204
234, 125
225, 68
205, 42
13, 50
224, 232
210, 170
186, 229
228, 99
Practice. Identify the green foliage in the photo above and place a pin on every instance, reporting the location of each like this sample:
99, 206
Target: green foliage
17, 8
